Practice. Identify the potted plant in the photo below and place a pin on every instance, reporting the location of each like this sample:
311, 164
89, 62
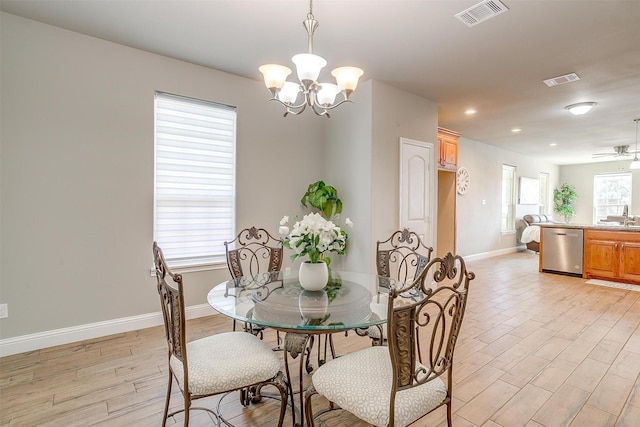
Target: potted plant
563, 199
317, 234
324, 198
314, 236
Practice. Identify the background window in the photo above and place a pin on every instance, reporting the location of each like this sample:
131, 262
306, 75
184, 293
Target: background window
508, 222
543, 179
611, 192
194, 179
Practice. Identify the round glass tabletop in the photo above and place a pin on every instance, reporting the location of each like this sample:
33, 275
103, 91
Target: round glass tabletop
349, 301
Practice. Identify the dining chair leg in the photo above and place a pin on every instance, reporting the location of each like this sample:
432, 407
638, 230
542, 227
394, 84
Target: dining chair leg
308, 410
187, 406
166, 401
295, 345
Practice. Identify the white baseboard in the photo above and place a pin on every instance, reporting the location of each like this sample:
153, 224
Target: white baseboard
55, 337
491, 254
46, 339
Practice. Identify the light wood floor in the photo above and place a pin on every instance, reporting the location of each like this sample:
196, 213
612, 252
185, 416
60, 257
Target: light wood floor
535, 350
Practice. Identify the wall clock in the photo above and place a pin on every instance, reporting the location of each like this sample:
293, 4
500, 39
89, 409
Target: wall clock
462, 180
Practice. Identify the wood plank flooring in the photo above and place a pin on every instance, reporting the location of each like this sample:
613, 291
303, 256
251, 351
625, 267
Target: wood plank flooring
535, 350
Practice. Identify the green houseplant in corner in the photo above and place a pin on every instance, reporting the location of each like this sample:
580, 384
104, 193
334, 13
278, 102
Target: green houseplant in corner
324, 198
563, 199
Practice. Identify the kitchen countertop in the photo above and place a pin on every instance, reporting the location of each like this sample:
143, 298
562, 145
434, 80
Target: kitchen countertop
612, 227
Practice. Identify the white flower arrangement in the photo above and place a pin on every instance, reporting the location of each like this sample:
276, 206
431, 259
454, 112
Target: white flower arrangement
313, 236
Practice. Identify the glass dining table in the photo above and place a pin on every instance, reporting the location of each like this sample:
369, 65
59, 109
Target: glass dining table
350, 301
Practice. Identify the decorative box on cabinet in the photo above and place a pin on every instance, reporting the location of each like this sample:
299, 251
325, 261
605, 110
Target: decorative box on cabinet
613, 255
448, 149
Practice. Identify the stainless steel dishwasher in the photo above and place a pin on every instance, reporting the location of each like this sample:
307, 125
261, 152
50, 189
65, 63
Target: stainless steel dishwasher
562, 250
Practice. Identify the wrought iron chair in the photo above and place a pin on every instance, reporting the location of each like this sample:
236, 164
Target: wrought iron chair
216, 364
254, 253
400, 258
388, 385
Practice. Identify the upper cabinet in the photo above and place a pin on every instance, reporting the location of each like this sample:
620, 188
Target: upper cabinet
448, 149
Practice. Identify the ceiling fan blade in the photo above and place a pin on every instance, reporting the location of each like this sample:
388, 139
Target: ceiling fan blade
618, 151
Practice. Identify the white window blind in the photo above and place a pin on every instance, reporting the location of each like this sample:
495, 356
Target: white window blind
194, 179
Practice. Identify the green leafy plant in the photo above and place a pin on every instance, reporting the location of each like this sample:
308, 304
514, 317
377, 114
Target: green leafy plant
563, 199
323, 198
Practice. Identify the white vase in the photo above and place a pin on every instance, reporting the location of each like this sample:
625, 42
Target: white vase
313, 304
313, 276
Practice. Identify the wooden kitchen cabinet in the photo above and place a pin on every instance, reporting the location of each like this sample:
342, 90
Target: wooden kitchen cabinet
613, 255
630, 262
600, 257
448, 149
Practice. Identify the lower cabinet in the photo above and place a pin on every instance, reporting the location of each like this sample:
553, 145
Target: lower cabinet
612, 255
630, 261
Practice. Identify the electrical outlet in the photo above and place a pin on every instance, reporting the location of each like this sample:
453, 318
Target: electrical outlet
4, 311
287, 272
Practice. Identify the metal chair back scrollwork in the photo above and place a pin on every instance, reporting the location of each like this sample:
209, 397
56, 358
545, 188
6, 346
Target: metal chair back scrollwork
254, 255
402, 256
413, 375
399, 259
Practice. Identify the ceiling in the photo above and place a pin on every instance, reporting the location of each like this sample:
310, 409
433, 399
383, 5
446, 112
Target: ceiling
496, 67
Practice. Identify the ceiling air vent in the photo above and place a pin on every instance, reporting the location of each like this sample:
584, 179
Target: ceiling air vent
567, 78
481, 12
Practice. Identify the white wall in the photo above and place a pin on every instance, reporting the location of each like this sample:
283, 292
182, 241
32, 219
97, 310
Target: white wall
478, 222
363, 158
395, 114
348, 168
77, 172
76, 165
581, 177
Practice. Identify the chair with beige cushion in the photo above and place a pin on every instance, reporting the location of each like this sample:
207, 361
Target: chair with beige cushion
216, 364
400, 258
388, 385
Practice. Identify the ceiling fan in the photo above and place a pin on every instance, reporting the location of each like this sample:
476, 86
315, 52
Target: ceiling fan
618, 151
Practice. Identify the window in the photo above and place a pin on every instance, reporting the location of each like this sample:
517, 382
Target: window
194, 206
611, 192
543, 179
508, 223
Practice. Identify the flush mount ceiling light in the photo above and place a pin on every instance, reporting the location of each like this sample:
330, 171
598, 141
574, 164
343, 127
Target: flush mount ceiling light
580, 108
635, 164
320, 97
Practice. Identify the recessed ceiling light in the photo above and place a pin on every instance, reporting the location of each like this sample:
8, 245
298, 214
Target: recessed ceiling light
553, 144
580, 108
470, 111
516, 130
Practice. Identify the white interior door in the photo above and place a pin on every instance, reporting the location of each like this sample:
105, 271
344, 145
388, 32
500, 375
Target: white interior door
417, 188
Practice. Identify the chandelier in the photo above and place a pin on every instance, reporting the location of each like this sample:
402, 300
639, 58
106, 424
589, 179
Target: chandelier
320, 97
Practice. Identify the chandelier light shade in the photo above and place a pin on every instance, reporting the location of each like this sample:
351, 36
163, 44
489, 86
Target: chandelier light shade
635, 164
580, 108
319, 97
